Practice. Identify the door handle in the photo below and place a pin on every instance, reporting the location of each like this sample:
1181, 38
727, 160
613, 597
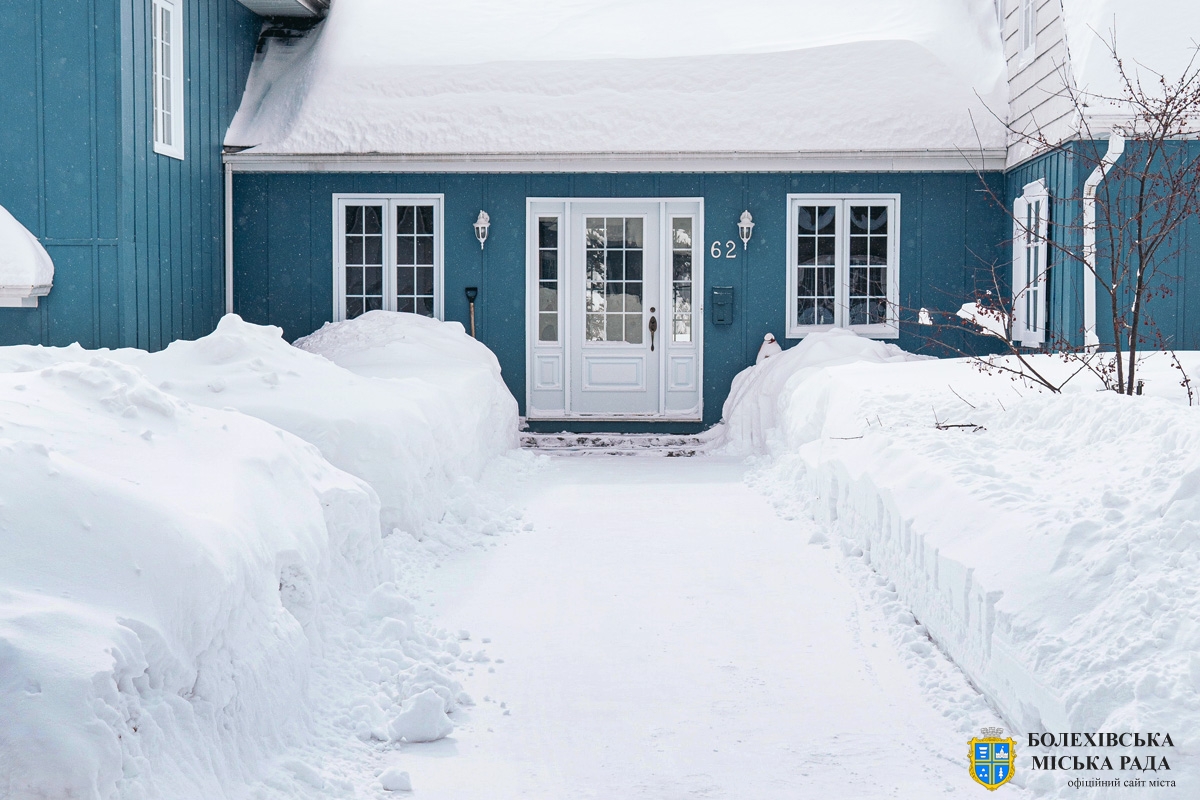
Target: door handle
653, 328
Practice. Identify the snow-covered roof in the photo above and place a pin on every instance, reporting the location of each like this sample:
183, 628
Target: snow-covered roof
475, 77
26, 271
1152, 39
1155, 37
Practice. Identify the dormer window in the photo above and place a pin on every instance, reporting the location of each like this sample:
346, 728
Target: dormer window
1028, 26
167, 56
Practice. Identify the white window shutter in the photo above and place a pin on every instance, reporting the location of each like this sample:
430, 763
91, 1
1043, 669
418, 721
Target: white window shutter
1019, 329
1031, 216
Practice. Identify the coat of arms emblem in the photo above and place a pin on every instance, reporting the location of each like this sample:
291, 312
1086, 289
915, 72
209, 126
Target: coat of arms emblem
992, 758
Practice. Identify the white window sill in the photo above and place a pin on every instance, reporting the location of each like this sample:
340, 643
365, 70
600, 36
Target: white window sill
169, 151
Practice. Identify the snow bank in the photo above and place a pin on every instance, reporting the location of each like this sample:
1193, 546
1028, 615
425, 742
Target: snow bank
24, 263
672, 76
1047, 542
187, 583
414, 406
162, 563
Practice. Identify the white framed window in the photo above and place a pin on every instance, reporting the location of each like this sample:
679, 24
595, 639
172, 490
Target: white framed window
1027, 24
549, 254
1031, 219
387, 254
843, 259
167, 69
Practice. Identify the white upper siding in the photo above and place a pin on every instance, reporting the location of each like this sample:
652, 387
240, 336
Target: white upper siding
1073, 53
1039, 101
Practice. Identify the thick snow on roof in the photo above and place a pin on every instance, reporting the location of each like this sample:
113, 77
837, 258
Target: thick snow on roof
23, 260
619, 76
1151, 38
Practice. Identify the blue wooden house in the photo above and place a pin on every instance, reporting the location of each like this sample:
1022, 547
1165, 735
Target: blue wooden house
114, 112
633, 198
660, 189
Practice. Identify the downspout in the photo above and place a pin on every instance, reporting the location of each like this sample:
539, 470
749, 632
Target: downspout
228, 238
1116, 146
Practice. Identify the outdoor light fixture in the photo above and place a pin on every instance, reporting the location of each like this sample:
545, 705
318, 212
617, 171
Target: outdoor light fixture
481, 227
745, 228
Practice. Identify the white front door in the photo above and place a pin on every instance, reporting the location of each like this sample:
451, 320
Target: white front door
614, 331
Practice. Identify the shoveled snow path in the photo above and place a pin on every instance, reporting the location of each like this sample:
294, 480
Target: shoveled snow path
660, 632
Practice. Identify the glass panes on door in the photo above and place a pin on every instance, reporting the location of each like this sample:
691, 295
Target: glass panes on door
816, 264
681, 279
364, 259
868, 264
547, 279
1033, 266
613, 288
414, 259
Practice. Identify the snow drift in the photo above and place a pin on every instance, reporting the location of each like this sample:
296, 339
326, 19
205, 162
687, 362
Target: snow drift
182, 568
1047, 542
162, 561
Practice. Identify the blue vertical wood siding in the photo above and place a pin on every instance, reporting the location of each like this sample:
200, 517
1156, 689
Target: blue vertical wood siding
1176, 316
137, 238
283, 248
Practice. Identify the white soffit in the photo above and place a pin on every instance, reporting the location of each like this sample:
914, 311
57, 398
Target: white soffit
286, 8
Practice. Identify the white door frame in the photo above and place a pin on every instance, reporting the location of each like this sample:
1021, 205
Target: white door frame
548, 372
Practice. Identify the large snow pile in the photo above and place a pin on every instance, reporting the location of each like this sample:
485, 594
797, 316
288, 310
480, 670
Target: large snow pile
24, 263
161, 563
184, 587
1049, 543
478, 77
413, 407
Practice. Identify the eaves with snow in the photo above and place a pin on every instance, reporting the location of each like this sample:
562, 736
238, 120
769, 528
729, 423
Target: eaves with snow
26, 271
476, 79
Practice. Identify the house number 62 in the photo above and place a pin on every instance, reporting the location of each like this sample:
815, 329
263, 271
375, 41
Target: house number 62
715, 250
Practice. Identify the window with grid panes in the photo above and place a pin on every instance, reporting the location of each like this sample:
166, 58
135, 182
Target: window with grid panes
166, 43
681, 279
816, 244
414, 259
547, 279
843, 264
388, 256
868, 264
614, 287
364, 259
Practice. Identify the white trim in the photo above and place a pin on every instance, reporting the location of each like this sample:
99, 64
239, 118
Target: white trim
1026, 290
809, 161
389, 201
228, 239
174, 147
887, 330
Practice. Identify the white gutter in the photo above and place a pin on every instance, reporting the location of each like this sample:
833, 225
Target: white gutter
1116, 146
228, 238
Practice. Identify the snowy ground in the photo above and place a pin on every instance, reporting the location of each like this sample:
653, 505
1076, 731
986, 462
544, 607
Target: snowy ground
237, 569
661, 632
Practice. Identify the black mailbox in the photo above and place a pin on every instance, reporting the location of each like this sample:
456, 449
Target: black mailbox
722, 305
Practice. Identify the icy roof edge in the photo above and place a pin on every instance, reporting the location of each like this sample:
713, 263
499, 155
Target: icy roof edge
942, 160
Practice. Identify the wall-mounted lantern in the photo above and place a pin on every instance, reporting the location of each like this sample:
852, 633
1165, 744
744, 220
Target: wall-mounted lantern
482, 223
745, 228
